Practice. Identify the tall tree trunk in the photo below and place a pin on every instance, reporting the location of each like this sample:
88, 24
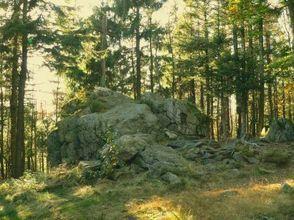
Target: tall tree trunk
251, 71
133, 71
13, 109
8, 157
283, 99
237, 66
138, 53
192, 94
104, 48
212, 116
244, 92
21, 96
207, 70
225, 117
208, 99
171, 50
261, 78
202, 97
290, 106
151, 58
180, 90
156, 62
42, 162
35, 141
218, 119
276, 97
270, 93
290, 5
30, 150
253, 116
2, 133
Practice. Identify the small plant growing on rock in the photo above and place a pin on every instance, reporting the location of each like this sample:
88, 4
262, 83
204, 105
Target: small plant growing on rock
109, 155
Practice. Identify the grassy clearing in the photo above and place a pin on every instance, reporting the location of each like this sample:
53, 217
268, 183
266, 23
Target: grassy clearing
220, 195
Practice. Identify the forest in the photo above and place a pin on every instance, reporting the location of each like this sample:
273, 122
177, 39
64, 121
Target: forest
190, 100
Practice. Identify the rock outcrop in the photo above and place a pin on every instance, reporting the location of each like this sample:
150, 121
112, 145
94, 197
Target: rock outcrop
281, 130
117, 131
178, 116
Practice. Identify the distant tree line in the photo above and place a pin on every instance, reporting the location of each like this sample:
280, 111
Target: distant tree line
232, 59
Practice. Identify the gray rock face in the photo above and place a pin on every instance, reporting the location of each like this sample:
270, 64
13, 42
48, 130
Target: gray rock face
113, 129
281, 130
130, 146
130, 118
159, 159
176, 115
81, 138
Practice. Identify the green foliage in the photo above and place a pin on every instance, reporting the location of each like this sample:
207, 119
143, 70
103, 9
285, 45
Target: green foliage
109, 157
279, 157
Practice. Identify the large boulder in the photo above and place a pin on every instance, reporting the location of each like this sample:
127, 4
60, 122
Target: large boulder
176, 115
130, 118
100, 100
281, 130
106, 99
118, 133
81, 138
127, 147
159, 159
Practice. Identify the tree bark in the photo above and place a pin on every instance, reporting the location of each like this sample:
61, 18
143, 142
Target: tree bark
251, 70
276, 97
104, 48
212, 116
225, 118
290, 108
261, 78
2, 133
13, 108
21, 96
209, 98
283, 99
171, 50
238, 93
133, 71
290, 5
138, 53
218, 119
35, 142
192, 94
244, 92
269, 90
202, 97
151, 57
253, 116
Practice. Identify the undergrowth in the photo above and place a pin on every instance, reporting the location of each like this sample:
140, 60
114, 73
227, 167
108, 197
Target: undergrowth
218, 194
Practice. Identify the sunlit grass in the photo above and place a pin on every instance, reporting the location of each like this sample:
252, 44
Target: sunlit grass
247, 202
84, 191
157, 208
215, 196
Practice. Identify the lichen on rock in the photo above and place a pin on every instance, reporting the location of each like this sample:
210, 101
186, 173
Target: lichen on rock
113, 129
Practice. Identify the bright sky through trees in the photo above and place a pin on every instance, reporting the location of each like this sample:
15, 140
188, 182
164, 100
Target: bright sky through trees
43, 77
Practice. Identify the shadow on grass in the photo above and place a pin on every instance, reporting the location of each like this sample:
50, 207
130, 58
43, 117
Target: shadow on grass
247, 198
148, 199
7, 211
24, 205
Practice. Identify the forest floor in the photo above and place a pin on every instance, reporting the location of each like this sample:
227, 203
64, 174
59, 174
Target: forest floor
254, 193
